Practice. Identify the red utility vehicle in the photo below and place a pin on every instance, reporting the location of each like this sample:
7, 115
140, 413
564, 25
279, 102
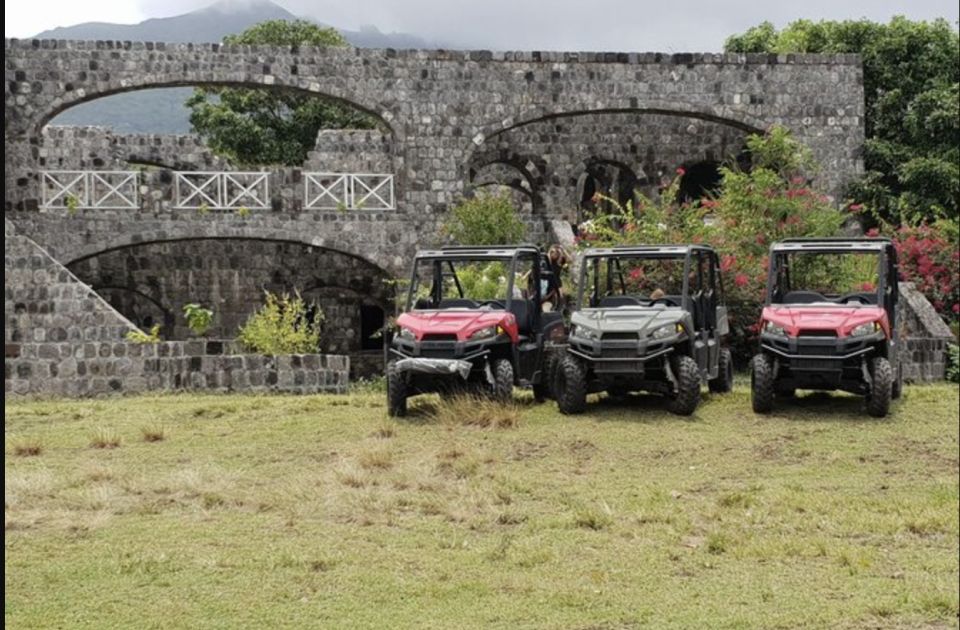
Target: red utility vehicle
474, 321
830, 322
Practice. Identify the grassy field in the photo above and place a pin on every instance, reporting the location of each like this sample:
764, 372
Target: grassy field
243, 511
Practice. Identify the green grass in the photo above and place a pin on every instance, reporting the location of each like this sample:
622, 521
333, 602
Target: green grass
319, 512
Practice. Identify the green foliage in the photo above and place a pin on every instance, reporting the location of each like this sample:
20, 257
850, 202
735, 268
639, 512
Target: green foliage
911, 85
72, 204
953, 363
243, 212
485, 220
203, 209
283, 325
483, 281
261, 126
138, 336
199, 319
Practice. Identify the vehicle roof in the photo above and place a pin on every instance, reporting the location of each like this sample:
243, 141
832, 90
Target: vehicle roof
833, 244
644, 249
478, 251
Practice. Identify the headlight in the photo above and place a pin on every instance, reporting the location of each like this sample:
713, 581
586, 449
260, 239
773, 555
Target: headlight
865, 329
774, 329
406, 333
584, 333
667, 331
484, 333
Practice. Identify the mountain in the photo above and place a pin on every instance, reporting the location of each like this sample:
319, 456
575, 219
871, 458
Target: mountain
162, 110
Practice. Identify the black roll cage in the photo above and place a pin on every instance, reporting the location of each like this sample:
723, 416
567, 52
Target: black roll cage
887, 269
464, 252
613, 254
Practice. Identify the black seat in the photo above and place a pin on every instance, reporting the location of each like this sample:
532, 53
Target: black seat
803, 297
523, 311
614, 301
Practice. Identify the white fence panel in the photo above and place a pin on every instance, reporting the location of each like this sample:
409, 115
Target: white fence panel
108, 190
222, 190
348, 191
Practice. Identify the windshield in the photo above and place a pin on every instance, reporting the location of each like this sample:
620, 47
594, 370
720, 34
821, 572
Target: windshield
466, 283
648, 280
848, 278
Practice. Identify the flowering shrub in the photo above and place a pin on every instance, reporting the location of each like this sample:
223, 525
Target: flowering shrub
929, 257
771, 202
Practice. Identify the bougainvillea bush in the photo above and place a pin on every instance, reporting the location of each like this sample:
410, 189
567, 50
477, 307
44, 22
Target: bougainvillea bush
752, 209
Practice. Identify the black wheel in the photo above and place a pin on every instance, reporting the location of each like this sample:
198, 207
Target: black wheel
878, 400
685, 400
396, 392
897, 390
544, 389
761, 383
724, 381
502, 390
570, 385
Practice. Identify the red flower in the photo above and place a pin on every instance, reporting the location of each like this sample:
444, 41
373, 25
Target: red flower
727, 263
760, 239
855, 207
956, 309
873, 232
868, 286
681, 171
741, 280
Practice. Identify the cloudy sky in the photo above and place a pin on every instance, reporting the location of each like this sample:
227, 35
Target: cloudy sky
623, 25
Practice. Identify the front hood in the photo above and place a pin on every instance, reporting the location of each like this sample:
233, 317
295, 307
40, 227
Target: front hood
627, 319
452, 322
840, 319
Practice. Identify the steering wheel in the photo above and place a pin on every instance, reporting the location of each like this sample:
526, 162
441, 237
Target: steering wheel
667, 301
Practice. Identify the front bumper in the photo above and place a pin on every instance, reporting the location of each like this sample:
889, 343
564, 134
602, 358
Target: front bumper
620, 355
818, 353
445, 349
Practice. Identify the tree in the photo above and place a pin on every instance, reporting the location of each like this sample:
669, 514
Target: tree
271, 126
485, 220
911, 73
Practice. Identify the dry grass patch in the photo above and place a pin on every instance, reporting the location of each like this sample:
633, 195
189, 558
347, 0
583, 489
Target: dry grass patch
28, 448
105, 438
474, 411
154, 433
376, 459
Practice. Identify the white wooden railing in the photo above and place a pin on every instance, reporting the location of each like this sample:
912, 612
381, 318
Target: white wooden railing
108, 190
221, 190
348, 191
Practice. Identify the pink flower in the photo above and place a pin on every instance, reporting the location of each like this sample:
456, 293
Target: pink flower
956, 309
741, 280
873, 232
868, 286
681, 171
727, 263
855, 207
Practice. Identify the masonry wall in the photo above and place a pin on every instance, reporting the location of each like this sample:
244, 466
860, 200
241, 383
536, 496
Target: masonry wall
926, 338
102, 369
439, 108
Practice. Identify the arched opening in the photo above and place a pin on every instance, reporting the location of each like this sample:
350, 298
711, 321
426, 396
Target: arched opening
154, 280
151, 124
699, 180
614, 152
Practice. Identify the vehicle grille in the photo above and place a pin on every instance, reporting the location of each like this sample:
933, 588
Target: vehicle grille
439, 337
807, 349
618, 353
620, 336
818, 333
